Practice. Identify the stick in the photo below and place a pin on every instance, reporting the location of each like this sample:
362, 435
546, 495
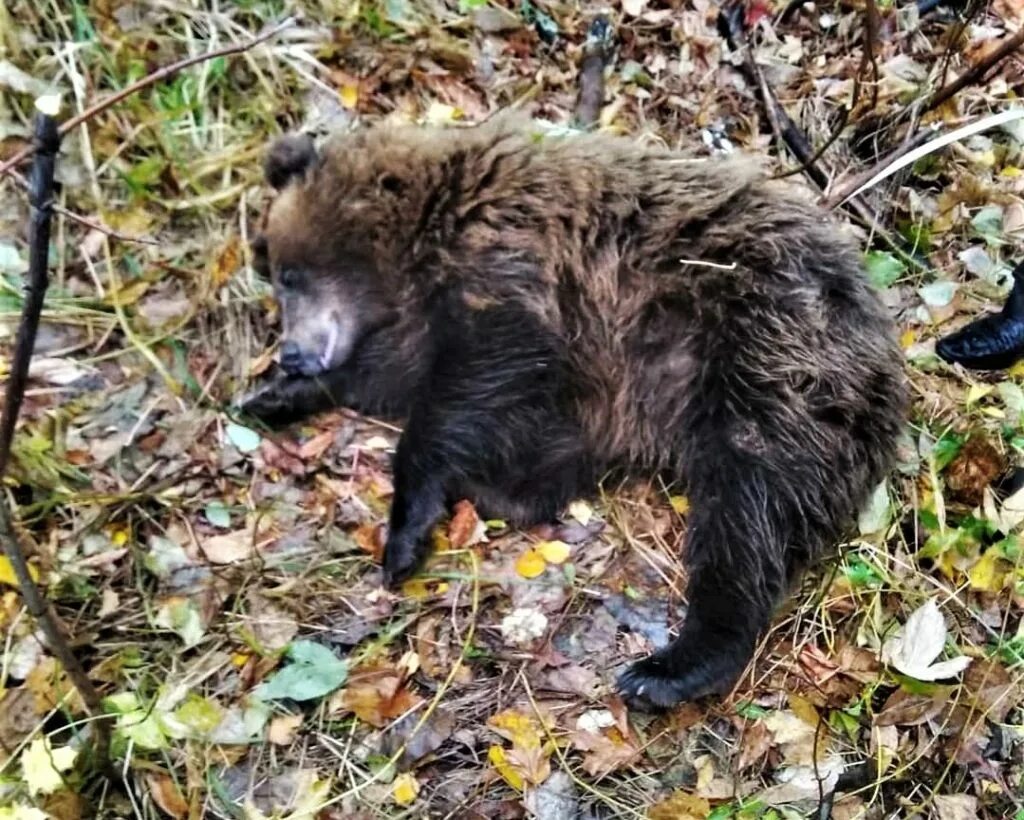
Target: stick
843, 192
977, 73
596, 53
45, 144
913, 156
83, 220
145, 82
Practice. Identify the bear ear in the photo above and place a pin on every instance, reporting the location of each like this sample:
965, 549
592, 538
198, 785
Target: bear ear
289, 157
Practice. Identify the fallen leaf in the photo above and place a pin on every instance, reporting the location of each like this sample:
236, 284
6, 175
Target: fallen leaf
405, 788
42, 765
497, 758
884, 743
282, 729
554, 552
634, 8
581, 511
530, 564
915, 647
226, 262
956, 807
314, 671
167, 795
229, 547
606, 751
905, 709
680, 805
377, 695
465, 527
7, 575
244, 439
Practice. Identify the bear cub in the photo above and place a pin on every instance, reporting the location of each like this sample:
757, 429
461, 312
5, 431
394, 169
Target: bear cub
544, 310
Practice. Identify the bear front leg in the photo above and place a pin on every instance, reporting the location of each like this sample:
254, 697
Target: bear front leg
282, 400
490, 409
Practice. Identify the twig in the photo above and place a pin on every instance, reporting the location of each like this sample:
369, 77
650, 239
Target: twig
597, 51
45, 145
145, 82
83, 220
913, 156
977, 73
841, 193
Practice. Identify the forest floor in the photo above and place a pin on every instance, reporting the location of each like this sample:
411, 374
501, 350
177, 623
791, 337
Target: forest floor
220, 583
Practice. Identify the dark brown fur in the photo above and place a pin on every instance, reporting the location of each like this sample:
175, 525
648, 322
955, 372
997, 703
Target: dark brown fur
543, 310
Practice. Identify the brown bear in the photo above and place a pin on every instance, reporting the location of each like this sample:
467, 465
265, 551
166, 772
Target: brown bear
546, 309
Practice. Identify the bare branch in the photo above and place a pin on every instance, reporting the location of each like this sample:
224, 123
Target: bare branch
145, 82
45, 144
977, 73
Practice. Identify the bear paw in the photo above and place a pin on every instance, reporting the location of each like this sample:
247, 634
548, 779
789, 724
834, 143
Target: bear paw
654, 684
403, 555
648, 686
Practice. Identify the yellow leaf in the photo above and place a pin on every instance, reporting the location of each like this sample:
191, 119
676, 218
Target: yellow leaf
991, 572
1010, 171
496, 755
804, 710
1016, 371
680, 805
554, 552
405, 789
42, 766
680, 503
349, 97
977, 391
227, 261
530, 564
7, 575
907, 339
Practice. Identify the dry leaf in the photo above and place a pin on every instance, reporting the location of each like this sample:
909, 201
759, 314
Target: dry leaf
680, 806
377, 695
915, 647
226, 262
229, 547
167, 795
465, 528
956, 807
282, 729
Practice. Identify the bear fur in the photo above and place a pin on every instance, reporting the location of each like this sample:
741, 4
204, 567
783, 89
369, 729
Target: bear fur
546, 310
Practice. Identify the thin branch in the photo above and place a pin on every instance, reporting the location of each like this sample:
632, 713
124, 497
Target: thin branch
853, 183
150, 79
597, 52
45, 144
84, 221
976, 74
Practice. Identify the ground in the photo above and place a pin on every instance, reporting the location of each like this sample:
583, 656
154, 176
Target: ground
219, 582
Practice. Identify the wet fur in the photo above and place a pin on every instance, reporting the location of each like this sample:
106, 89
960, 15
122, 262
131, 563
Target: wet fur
552, 309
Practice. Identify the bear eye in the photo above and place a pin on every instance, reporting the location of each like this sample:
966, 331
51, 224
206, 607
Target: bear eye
289, 278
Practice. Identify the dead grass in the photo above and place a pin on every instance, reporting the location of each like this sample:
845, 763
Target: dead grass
185, 558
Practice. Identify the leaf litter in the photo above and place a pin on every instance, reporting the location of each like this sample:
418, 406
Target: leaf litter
221, 579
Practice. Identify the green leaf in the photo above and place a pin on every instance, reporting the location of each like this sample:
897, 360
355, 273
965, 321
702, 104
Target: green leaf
988, 222
314, 671
217, 514
749, 710
244, 439
469, 5
883, 268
